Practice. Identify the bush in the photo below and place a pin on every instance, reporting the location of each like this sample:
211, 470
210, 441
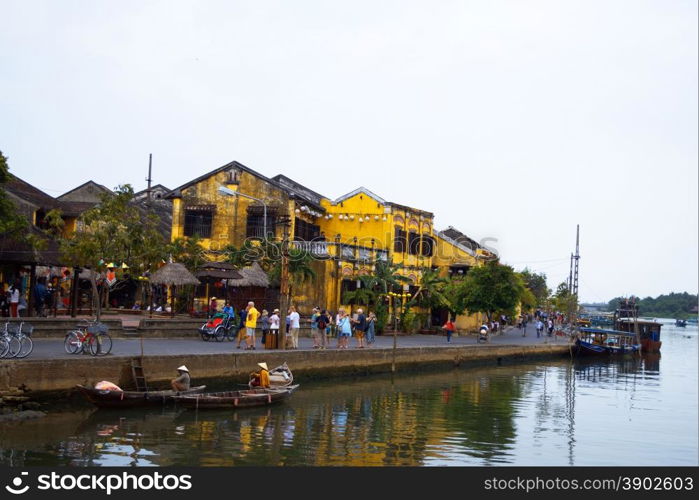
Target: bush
408, 322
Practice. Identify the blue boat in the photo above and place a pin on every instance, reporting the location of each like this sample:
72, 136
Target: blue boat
598, 341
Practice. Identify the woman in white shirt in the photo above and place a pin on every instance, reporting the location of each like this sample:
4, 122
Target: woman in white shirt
274, 326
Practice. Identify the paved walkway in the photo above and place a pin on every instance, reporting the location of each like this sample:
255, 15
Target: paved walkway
53, 348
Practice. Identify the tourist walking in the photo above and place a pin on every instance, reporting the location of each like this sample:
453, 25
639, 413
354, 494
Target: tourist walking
315, 331
539, 328
14, 300
371, 328
241, 326
294, 325
449, 328
274, 321
344, 327
323, 321
360, 327
549, 325
250, 325
264, 324
338, 317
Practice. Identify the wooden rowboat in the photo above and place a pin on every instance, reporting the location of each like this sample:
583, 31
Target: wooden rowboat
235, 399
279, 377
131, 399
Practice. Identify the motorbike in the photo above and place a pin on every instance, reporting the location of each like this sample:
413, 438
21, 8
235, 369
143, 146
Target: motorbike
482, 336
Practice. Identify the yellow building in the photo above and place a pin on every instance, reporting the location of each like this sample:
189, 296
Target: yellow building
346, 236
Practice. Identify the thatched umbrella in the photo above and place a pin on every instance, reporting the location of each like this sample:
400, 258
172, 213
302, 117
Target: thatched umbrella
253, 275
216, 271
173, 274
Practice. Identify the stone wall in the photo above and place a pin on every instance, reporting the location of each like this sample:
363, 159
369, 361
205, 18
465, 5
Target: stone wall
60, 375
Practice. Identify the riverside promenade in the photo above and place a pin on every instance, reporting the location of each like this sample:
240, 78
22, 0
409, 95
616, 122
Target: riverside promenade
49, 369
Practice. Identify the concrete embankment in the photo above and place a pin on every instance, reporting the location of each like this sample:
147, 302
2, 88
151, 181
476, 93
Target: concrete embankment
51, 377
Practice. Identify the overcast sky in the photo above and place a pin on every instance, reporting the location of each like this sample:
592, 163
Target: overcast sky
514, 120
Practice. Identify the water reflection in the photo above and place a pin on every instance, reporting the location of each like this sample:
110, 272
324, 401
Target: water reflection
562, 412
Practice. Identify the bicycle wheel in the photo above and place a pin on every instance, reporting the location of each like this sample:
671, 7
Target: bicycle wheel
15, 346
26, 347
100, 345
73, 342
4, 347
219, 334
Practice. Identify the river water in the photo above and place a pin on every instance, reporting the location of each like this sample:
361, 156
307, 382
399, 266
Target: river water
636, 411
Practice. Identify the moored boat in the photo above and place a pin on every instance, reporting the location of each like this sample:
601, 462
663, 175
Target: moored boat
130, 399
626, 320
598, 341
681, 323
280, 376
235, 399
648, 331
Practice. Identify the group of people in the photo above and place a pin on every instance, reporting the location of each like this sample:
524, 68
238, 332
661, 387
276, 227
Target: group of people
343, 326
324, 325
13, 302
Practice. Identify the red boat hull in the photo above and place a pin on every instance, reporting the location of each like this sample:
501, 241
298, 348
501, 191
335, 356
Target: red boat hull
650, 345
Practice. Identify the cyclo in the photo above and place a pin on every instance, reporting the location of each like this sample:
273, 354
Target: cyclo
220, 326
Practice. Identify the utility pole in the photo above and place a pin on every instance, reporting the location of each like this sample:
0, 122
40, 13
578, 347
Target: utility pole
570, 276
150, 165
284, 283
573, 290
577, 258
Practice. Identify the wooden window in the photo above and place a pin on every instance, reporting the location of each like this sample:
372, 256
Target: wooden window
400, 242
413, 243
427, 245
198, 222
305, 231
255, 225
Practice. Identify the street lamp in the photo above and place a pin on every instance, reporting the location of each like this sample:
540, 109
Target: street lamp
229, 192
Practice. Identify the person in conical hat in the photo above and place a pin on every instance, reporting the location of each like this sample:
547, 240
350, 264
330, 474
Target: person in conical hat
182, 382
260, 378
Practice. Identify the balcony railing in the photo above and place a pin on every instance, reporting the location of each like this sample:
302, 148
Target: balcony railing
317, 248
325, 250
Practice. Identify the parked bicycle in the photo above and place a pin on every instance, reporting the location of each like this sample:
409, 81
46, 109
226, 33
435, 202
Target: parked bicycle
15, 340
89, 336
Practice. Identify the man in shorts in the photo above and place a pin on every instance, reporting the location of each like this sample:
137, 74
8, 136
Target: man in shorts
250, 325
360, 327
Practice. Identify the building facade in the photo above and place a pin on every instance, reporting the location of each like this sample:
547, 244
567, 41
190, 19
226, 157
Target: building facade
346, 236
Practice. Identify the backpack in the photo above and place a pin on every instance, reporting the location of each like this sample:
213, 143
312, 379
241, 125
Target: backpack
321, 323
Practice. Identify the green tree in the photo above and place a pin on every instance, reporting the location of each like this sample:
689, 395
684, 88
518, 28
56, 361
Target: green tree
431, 291
114, 231
188, 251
492, 288
300, 267
536, 283
563, 300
